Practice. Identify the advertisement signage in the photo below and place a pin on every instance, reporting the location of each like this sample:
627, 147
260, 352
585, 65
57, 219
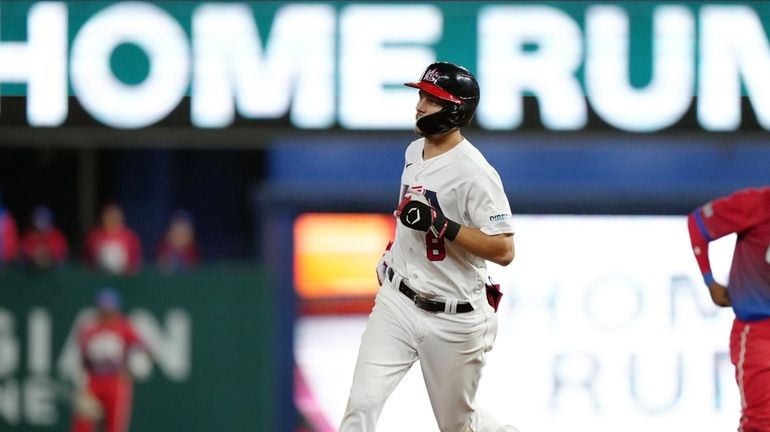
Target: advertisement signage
628, 66
209, 332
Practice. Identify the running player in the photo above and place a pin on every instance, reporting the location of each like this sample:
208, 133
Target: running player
104, 346
747, 213
432, 307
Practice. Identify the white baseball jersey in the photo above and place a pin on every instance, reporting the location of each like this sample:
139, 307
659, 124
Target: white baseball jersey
466, 189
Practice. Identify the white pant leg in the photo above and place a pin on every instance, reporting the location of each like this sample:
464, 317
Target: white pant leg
452, 357
386, 354
486, 423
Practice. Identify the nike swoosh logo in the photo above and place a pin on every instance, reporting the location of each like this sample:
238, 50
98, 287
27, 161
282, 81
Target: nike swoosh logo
407, 165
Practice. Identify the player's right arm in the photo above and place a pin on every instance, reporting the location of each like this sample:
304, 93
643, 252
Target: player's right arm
700, 238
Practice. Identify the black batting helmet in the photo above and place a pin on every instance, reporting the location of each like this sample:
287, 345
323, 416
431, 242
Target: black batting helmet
453, 84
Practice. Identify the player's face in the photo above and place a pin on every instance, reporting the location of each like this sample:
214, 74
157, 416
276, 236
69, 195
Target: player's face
426, 104
112, 217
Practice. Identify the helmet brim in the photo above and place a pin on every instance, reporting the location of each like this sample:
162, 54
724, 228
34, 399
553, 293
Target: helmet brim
434, 90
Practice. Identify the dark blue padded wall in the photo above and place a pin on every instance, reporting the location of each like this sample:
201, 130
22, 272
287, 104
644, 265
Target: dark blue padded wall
633, 174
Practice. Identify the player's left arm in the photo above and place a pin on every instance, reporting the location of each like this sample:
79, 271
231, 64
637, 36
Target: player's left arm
132, 336
487, 208
498, 248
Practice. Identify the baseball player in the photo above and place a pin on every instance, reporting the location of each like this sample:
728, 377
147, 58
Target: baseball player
113, 246
104, 345
433, 305
9, 237
747, 213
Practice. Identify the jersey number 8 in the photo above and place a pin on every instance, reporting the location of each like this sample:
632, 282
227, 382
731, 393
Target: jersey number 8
434, 246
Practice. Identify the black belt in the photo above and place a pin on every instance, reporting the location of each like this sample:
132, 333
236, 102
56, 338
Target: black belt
427, 304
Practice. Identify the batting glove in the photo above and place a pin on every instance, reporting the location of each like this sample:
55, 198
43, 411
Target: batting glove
410, 195
420, 216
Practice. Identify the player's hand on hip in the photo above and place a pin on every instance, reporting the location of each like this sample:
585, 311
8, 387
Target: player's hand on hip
719, 294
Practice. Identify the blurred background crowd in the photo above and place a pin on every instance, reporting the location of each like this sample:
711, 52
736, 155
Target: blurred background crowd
111, 245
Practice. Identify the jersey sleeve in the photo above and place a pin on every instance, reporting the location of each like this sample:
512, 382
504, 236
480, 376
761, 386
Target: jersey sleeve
734, 213
488, 207
130, 334
700, 245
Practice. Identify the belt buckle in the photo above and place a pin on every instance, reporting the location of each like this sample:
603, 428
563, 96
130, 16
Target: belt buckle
420, 302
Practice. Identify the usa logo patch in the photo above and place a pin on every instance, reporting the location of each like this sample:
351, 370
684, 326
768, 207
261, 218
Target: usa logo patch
431, 75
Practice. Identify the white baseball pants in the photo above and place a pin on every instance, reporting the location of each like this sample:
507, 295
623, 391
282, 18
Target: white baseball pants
451, 349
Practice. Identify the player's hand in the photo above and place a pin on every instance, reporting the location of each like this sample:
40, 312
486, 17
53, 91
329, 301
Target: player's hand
411, 195
139, 363
719, 294
382, 265
418, 215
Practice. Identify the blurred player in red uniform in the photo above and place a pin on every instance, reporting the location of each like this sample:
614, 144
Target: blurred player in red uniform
43, 245
747, 213
113, 246
105, 344
9, 237
178, 250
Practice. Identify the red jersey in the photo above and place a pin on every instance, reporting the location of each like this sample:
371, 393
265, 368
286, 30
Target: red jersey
118, 251
9, 237
51, 243
175, 259
104, 345
747, 213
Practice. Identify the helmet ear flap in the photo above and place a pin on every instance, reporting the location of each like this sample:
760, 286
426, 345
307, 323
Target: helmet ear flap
436, 123
450, 117
455, 115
